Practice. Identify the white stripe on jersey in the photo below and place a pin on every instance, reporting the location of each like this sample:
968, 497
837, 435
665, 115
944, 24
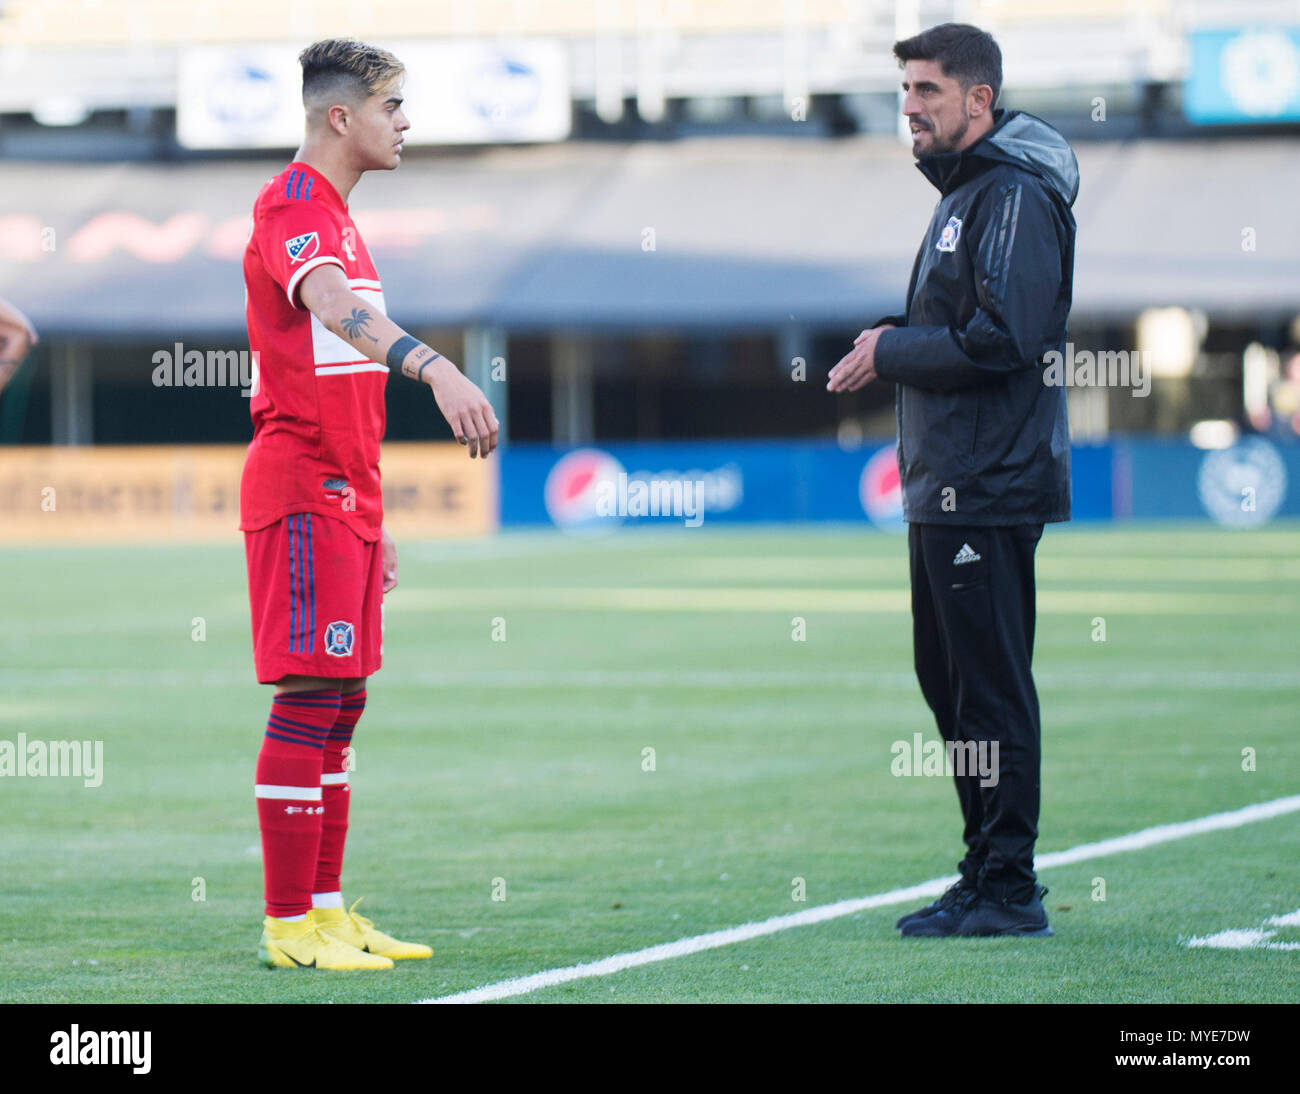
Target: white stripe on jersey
328, 348
302, 272
355, 366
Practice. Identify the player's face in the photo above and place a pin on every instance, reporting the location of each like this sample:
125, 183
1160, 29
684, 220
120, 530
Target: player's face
380, 130
935, 107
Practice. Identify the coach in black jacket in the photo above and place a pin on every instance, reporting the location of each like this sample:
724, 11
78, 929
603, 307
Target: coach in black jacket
983, 449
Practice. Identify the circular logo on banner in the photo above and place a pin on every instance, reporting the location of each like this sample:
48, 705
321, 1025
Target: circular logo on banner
1260, 71
504, 90
575, 486
881, 490
1242, 486
243, 94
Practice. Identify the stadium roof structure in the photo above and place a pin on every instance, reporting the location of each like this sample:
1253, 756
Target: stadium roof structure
719, 233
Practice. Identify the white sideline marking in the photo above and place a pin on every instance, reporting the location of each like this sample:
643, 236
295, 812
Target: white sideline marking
894, 600
1250, 938
132, 677
1134, 841
1233, 939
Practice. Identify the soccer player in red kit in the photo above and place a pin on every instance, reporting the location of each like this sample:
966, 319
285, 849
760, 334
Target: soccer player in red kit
319, 558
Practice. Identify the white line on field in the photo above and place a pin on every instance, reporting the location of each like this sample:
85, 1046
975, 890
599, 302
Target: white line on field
1134, 841
1250, 938
127, 677
893, 600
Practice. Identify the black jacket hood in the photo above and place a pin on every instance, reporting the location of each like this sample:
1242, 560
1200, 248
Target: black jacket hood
983, 438
1016, 138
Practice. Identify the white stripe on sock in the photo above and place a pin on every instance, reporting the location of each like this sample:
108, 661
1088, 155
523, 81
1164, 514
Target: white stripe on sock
327, 900
288, 793
334, 778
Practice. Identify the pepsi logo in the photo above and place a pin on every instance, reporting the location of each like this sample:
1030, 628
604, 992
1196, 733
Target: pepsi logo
881, 489
573, 488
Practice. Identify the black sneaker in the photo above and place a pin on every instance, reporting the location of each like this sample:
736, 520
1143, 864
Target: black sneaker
987, 917
944, 902
943, 921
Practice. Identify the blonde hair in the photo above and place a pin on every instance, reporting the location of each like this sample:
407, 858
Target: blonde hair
342, 67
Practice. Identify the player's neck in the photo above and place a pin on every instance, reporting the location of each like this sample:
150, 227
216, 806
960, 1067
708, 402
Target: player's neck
337, 173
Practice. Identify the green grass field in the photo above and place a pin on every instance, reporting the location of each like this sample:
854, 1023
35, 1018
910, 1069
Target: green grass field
522, 760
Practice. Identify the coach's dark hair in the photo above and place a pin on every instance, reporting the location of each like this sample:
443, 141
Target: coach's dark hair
341, 66
964, 52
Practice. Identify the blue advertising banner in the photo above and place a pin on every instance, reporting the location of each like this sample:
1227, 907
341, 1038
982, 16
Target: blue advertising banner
1244, 486
1243, 75
690, 483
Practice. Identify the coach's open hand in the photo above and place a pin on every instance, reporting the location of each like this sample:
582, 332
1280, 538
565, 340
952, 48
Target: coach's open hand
465, 407
857, 368
389, 549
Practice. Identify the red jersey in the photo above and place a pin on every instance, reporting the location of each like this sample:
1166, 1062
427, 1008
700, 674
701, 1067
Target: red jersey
317, 404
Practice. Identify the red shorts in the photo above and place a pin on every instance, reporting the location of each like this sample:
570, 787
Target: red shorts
316, 590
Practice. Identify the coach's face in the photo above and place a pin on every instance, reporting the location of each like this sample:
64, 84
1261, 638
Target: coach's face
938, 112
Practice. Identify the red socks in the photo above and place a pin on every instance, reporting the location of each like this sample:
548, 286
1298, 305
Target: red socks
289, 798
335, 793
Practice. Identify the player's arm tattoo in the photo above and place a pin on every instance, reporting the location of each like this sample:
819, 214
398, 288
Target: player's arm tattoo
411, 364
356, 323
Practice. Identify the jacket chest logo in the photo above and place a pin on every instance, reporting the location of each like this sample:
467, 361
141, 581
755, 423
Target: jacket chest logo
949, 236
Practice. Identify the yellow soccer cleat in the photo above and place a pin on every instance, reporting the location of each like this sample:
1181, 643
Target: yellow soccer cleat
303, 945
359, 932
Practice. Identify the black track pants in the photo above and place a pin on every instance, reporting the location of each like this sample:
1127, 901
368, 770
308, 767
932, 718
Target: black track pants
973, 616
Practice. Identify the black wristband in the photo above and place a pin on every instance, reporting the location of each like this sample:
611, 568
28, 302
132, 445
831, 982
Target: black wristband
398, 350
